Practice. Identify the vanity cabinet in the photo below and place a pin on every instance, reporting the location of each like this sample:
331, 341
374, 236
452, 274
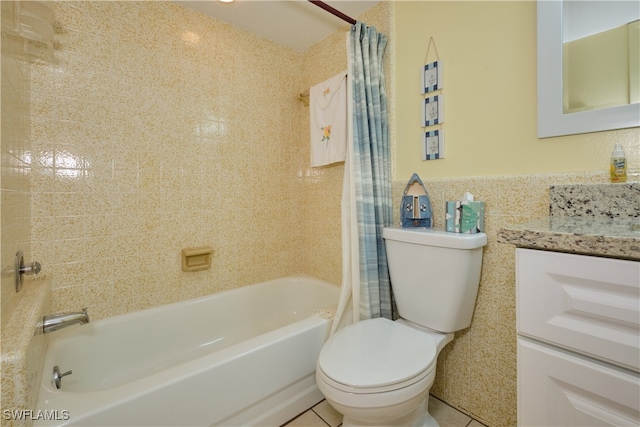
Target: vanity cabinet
578, 323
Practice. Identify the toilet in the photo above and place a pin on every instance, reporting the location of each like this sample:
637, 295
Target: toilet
378, 372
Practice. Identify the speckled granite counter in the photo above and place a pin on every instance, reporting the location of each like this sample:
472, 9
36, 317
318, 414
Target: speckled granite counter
619, 238
595, 200
599, 219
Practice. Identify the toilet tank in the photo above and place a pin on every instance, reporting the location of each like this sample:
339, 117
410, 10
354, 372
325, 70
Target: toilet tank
434, 275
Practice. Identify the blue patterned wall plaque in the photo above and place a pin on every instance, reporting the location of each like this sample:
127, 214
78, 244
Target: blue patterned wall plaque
433, 145
433, 110
432, 77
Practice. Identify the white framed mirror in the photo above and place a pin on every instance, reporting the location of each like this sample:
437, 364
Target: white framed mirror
557, 114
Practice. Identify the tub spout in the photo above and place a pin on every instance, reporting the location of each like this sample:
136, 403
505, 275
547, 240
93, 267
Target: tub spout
53, 322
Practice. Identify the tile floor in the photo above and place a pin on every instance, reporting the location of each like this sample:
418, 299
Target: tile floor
323, 415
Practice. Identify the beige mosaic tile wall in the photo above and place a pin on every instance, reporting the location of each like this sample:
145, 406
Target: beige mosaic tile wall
158, 128
15, 201
22, 352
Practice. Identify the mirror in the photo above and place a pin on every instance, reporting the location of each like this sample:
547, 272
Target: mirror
564, 106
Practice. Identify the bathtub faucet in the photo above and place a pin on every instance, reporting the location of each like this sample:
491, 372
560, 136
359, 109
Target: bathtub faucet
53, 322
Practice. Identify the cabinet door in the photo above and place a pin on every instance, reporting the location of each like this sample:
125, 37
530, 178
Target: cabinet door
557, 388
587, 304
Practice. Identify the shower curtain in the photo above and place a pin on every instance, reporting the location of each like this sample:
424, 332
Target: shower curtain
366, 195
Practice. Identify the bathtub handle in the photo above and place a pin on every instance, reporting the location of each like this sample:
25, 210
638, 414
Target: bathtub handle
57, 376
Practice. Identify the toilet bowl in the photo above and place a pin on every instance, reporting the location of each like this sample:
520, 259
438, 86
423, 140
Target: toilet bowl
378, 372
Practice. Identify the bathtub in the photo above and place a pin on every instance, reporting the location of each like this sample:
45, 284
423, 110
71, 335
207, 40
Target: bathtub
242, 357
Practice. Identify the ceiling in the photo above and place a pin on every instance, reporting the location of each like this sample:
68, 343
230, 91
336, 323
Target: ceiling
294, 23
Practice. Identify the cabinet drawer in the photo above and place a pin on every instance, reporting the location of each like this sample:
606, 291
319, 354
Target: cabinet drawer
587, 304
556, 388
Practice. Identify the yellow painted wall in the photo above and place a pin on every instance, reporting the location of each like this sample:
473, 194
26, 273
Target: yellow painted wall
488, 51
596, 70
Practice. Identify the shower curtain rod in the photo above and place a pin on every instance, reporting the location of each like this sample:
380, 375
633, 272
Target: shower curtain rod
335, 12
304, 97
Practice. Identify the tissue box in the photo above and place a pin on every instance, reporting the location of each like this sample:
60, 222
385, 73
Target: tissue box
463, 216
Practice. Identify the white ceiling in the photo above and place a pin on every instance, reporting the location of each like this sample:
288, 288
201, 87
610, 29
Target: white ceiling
294, 23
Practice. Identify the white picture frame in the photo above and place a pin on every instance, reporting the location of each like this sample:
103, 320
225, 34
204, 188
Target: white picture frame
433, 110
433, 145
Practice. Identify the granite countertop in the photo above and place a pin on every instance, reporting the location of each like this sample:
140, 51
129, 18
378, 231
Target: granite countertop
617, 237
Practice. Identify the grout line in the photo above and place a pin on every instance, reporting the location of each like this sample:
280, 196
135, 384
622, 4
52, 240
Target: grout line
468, 414
320, 416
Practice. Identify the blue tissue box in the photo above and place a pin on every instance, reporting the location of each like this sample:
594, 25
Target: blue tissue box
463, 216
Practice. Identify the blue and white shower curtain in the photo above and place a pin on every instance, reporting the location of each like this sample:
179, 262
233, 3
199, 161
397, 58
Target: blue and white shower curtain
366, 199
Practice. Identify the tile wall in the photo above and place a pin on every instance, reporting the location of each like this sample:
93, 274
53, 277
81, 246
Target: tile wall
22, 350
15, 155
158, 128
155, 129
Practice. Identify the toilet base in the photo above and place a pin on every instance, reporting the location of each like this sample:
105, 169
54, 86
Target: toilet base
419, 417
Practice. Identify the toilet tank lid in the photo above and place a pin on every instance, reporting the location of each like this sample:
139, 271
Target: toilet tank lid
433, 237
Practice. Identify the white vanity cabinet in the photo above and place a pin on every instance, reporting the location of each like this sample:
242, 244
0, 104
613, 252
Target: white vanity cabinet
578, 322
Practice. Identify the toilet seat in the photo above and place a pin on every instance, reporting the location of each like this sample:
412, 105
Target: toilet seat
376, 355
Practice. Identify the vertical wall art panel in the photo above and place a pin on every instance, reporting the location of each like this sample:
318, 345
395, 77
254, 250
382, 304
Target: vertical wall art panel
432, 77
433, 145
433, 110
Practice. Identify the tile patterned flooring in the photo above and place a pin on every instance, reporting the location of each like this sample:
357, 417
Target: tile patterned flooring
323, 415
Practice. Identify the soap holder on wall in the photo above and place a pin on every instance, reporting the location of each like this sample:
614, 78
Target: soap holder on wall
196, 259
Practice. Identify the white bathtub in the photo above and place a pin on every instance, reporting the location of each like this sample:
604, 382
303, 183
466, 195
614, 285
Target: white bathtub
241, 357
